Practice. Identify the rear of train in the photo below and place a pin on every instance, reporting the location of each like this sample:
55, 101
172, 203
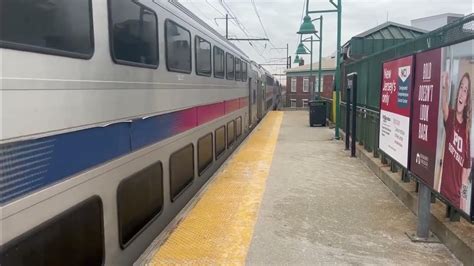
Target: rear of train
114, 114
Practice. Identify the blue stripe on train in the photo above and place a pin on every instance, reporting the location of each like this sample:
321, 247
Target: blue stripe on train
27, 166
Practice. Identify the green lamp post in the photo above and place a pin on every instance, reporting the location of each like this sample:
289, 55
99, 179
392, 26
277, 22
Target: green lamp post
301, 49
297, 59
307, 27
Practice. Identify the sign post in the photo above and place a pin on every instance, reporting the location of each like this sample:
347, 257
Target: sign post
348, 111
424, 214
353, 80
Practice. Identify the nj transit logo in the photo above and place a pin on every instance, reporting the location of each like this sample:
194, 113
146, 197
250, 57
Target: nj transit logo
403, 92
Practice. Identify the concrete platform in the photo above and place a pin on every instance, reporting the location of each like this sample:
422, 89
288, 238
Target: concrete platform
457, 236
290, 195
323, 207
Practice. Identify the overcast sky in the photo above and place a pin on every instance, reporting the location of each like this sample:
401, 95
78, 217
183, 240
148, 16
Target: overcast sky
282, 18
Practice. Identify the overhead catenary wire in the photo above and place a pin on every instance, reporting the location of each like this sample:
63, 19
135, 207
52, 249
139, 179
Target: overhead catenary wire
241, 27
215, 8
260, 19
234, 21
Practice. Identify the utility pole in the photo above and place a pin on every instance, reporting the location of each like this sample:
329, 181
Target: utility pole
311, 70
320, 54
227, 26
338, 66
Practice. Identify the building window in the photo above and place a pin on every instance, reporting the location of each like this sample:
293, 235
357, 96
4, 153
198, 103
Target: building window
218, 62
52, 27
305, 84
305, 103
293, 84
316, 85
293, 103
203, 57
178, 48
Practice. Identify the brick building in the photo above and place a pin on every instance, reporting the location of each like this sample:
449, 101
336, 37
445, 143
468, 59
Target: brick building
299, 82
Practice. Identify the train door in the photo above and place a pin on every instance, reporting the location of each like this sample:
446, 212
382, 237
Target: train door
264, 98
252, 101
260, 99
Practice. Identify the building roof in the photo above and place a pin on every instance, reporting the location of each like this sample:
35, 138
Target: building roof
379, 38
391, 30
438, 16
327, 63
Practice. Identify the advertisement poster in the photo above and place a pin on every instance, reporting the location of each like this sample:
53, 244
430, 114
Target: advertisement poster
442, 123
424, 133
395, 105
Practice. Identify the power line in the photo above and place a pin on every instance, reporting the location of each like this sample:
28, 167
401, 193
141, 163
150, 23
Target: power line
237, 22
240, 26
215, 8
261, 23
259, 18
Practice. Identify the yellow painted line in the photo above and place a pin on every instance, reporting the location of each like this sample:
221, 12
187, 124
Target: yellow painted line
219, 228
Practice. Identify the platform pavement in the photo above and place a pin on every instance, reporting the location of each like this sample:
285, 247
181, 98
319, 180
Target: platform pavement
290, 195
322, 207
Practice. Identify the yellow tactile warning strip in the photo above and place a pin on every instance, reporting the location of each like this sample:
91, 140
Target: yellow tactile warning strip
219, 228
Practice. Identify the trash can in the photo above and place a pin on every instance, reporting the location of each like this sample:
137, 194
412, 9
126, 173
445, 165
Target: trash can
317, 113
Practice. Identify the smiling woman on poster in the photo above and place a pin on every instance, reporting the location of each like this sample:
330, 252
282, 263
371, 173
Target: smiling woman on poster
457, 124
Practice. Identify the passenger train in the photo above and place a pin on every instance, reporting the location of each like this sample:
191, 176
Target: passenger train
114, 114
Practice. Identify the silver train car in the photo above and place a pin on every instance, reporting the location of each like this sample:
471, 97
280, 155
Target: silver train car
114, 114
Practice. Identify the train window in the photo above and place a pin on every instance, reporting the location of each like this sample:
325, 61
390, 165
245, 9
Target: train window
74, 237
133, 34
181, 170
219, 135
238, 126
178, 48
52, 27
230, 133
218, 62
203, 57
205, 152
244, 72
230, 66
144, 189
238, 67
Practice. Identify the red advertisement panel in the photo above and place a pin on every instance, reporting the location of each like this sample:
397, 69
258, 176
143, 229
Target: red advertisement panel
396, 86
425, 115
395, 110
